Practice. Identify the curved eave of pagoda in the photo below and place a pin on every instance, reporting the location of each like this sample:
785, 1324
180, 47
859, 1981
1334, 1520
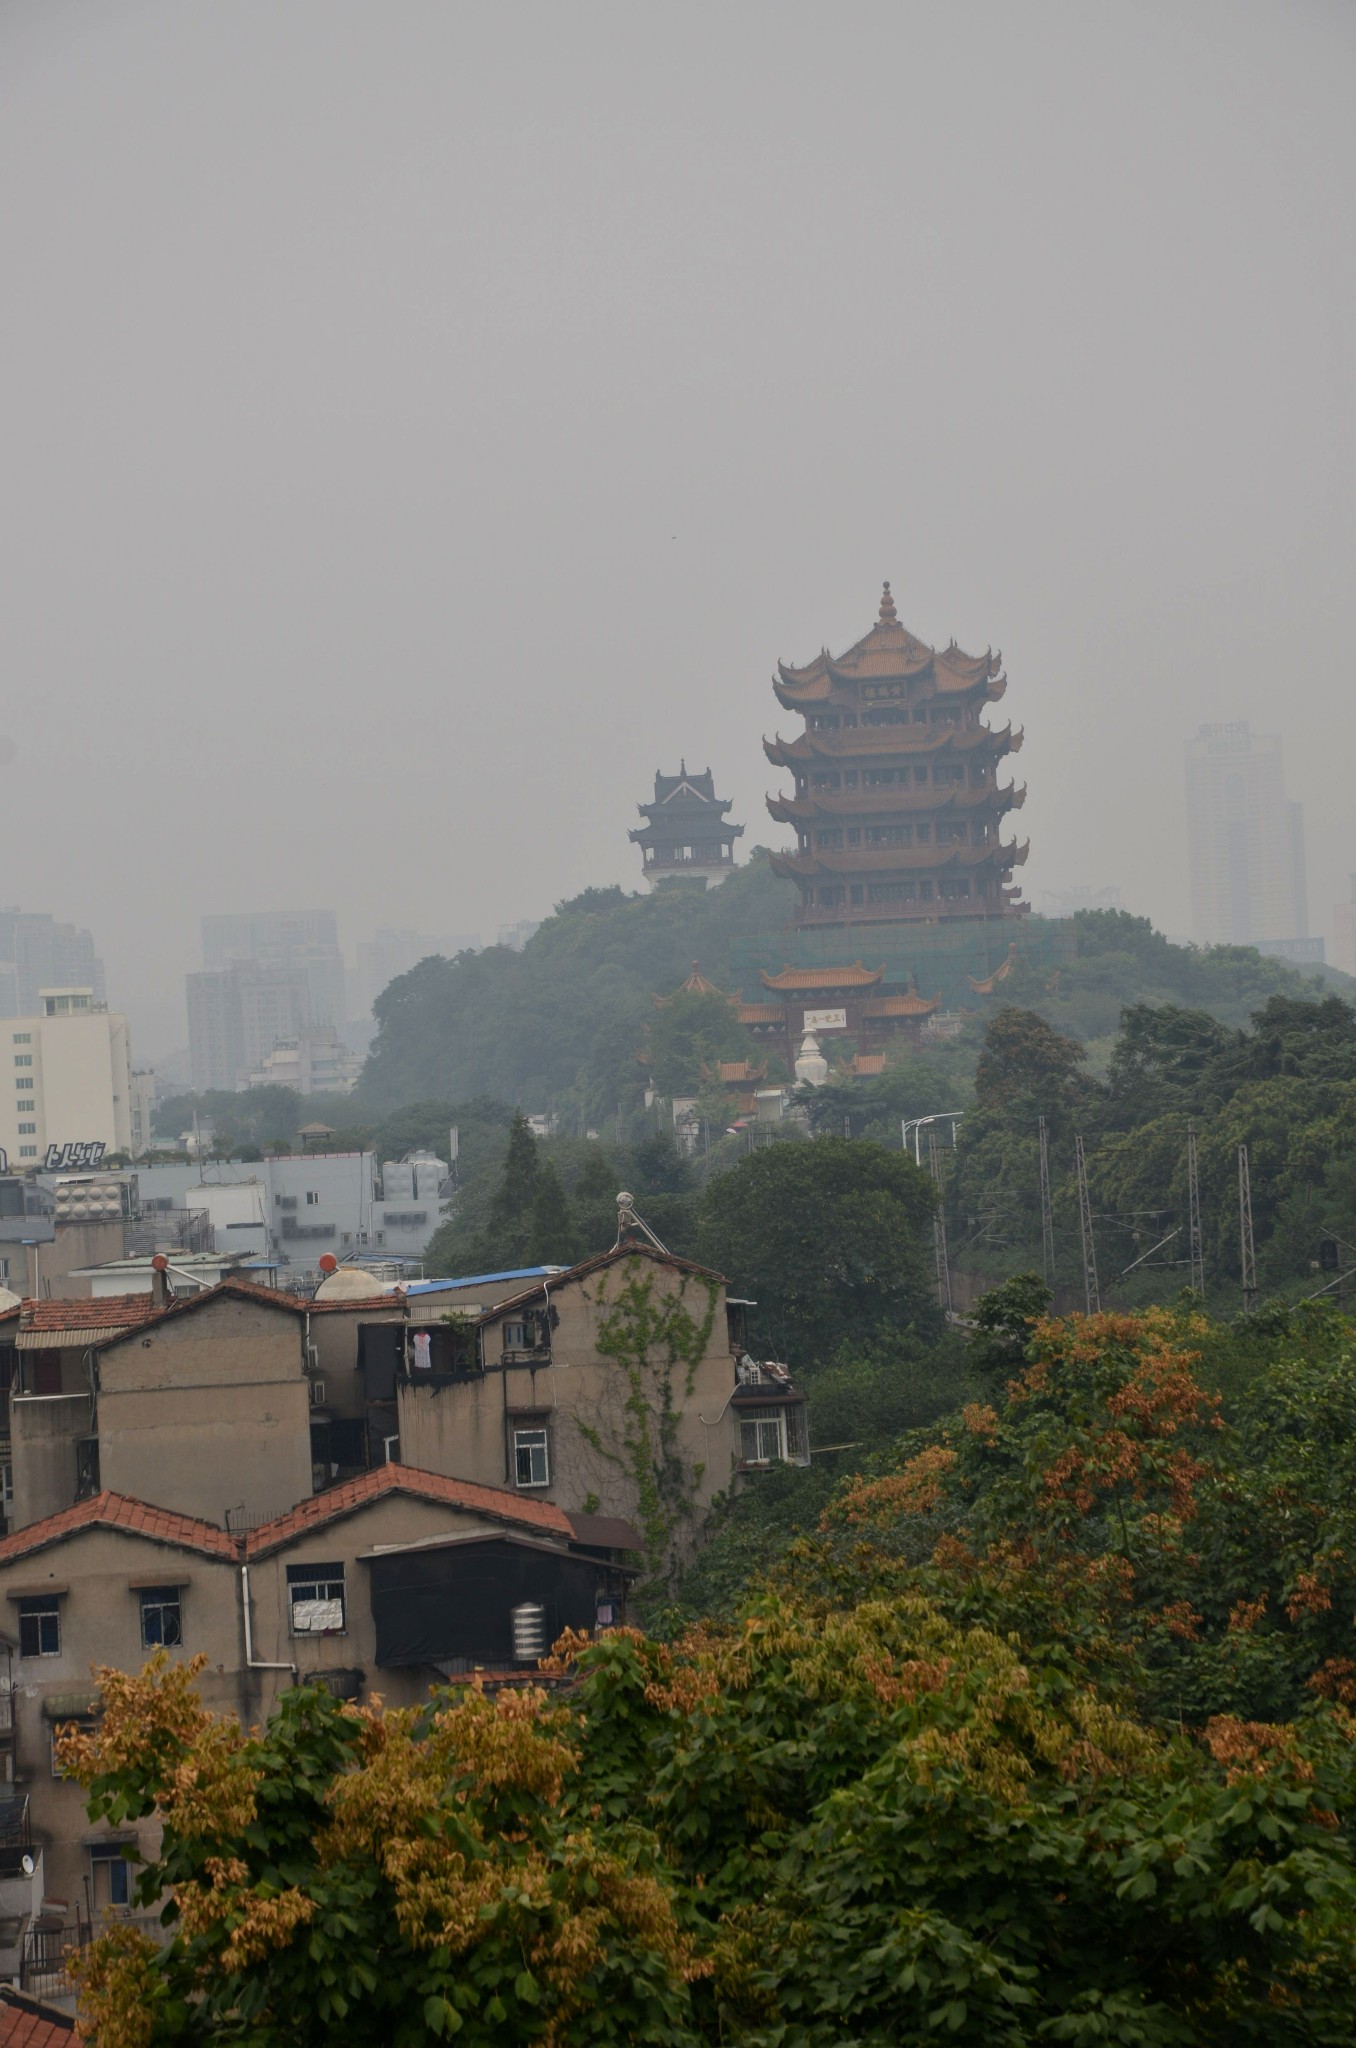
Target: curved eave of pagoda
711, 834
901, 861
904, 664
891, 803
867, 742
791, 694
690, 813
798, 678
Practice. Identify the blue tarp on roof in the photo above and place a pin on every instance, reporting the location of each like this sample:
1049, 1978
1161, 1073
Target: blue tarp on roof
482, 1279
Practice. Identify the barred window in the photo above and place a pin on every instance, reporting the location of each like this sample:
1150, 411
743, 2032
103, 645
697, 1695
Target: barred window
315, 1594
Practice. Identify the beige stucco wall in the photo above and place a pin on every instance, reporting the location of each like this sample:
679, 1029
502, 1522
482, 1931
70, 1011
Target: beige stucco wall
101, 1625
44, 1430
208, 1411
465, 1429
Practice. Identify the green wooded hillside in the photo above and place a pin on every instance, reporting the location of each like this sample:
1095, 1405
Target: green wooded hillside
561, 1021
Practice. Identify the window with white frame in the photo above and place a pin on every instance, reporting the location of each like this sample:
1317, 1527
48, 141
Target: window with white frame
315, 1595
23, 1059
531, 1456
40, 1626
161, 1617
762, 1436
23, 1038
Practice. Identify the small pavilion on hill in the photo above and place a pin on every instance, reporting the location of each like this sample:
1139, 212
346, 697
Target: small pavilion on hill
686, 835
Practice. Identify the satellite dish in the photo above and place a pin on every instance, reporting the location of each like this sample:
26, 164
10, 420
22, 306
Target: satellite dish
328, 1262
28, 1866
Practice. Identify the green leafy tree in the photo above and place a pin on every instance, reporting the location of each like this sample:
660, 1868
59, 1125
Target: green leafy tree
690, 1032
832, 1240
1024, 1060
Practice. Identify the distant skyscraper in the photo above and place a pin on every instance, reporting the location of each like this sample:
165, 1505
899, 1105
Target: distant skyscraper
37, 953
303, 941
1246, 840
267, 977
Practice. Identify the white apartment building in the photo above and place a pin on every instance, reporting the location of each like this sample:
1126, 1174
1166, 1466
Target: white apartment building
1246, 840
65, 1083
314, 1063
297, 1206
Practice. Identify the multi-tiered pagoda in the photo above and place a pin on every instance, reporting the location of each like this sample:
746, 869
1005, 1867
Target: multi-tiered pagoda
686, 835
897, 809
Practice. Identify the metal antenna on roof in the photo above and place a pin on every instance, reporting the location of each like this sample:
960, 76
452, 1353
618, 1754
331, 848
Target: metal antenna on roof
627, 1220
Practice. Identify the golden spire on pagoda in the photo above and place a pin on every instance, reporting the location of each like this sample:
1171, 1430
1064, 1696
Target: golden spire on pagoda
888, 614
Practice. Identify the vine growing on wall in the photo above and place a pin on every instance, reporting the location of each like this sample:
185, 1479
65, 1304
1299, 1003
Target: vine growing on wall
657, 1344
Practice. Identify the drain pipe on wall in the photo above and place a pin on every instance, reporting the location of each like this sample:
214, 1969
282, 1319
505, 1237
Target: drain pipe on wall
253, 1663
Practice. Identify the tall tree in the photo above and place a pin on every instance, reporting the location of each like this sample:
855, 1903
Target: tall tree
1023, 1057
831, 1238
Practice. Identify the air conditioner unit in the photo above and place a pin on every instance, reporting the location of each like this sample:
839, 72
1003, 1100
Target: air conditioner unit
317, 1393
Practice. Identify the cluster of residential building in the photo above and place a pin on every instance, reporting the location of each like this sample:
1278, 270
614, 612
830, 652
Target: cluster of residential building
77, 1234
376, 1488
274, 1002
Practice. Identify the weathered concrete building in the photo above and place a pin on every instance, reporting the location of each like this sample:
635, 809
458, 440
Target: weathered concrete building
391, 1581
622, 1384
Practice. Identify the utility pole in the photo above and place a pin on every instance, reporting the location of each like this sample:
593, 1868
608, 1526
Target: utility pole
1047, 1213
1194, 1245
1247, 1257
939, 1226
1090, 1288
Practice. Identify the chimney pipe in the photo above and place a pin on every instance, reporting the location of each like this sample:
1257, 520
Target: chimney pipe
161, 1296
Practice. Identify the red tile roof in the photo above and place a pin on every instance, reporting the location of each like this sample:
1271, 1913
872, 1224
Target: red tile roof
118, 1511
45, 1323
163, 1525
111, 1312
352, 1494
855, 976
26, 2023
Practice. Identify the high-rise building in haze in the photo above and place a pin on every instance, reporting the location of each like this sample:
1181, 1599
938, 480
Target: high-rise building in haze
267, 978
1245, 838
37, 953
305, 941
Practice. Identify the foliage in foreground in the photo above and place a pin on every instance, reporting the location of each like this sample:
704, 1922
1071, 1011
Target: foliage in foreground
876, 1825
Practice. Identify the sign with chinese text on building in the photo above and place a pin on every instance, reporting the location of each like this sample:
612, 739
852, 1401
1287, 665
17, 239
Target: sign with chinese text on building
64, 1158
825, 1020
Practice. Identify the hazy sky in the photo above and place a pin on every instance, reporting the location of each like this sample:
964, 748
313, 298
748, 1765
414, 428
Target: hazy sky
420, 422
